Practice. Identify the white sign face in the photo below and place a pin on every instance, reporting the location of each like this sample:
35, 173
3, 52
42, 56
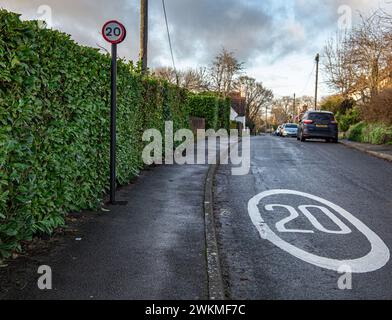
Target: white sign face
114, 32
377, 258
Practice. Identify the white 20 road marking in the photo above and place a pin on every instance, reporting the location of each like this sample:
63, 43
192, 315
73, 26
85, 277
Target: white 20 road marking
377, 258
281, 225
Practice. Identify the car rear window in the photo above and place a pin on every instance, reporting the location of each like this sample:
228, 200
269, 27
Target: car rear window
291, 126
321, 116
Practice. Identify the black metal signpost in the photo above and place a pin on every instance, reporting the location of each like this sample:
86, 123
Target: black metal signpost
115, 33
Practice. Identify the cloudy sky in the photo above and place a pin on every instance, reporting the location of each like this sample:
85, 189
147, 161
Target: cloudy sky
276, 39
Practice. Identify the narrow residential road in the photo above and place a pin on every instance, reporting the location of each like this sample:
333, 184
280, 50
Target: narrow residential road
275, 254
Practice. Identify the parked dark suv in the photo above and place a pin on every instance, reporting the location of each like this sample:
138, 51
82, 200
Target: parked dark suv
318, 125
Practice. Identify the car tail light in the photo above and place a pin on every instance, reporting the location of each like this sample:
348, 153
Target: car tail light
334, 122
308, 121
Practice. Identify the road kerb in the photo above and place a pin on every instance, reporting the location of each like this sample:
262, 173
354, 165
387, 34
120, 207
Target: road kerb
376, 154
215, 282
215, 279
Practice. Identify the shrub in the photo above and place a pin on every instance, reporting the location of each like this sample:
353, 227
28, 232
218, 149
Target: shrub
377, 134
348, 119
356, 131
370, 133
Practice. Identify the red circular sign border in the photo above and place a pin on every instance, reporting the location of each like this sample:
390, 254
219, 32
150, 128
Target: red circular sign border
122, 27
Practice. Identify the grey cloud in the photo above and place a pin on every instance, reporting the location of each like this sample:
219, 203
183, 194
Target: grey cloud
244, 27
83, 19
250, 28
200, 28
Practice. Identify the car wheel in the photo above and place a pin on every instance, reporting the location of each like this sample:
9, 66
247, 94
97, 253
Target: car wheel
335, 140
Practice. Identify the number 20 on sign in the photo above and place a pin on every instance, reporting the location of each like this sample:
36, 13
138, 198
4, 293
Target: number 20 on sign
113, 32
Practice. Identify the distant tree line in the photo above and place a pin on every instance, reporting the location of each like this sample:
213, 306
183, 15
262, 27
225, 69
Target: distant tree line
224, 76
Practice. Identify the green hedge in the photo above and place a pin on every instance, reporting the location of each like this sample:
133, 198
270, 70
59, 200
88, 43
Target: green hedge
54, 126
373, 133
204, 106
214, 109
224, 113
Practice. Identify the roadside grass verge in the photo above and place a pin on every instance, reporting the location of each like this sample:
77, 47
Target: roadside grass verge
373, 133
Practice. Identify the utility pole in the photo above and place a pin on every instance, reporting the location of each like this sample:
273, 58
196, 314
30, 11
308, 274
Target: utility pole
266, 119
143, 34
294, 108
317, 75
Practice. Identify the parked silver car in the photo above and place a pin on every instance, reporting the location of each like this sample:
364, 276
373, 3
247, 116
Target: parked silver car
290, 130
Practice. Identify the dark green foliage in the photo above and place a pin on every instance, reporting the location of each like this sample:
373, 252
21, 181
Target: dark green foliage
205, 106
214, 109
356, 131
346, 111
224, 113
347, 105
54, 127
374, 133
346, 120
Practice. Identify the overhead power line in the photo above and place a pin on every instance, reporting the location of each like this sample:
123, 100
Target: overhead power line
169, 38
308, 81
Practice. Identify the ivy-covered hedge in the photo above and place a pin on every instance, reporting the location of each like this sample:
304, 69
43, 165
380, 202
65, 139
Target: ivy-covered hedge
54, 126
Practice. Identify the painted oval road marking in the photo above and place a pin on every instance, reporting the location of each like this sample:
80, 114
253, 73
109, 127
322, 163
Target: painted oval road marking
377, 258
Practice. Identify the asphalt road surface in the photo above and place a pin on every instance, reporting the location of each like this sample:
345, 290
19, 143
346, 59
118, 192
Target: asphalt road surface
152, 248
279, 251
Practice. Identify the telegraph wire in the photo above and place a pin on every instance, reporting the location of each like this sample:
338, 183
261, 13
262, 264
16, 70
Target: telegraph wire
307, 82
169, 39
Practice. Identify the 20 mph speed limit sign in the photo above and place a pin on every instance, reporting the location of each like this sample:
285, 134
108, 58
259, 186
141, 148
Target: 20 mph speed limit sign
114, 32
